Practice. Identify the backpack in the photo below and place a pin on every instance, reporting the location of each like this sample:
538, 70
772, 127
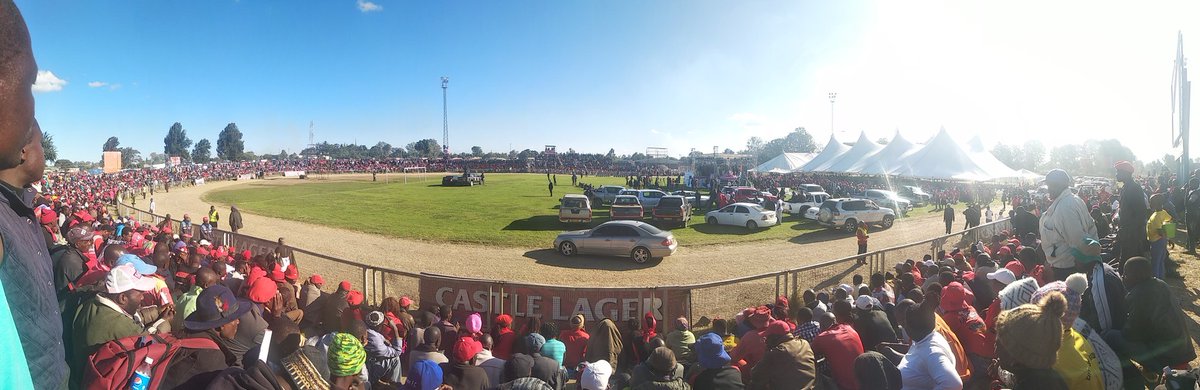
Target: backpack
112, 366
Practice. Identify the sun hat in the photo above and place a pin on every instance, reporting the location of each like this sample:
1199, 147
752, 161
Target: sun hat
1033, 333
777, 328
124, 278
1123, 166
595, 375
215, 306
48, 217
346, 355
1003, 275
424, 375
137, 263
262, 290
710, 351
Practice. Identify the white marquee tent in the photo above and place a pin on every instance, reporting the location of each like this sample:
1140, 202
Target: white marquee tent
862, 148
985, 158
832, 150
944, 158
784, 163
887, 159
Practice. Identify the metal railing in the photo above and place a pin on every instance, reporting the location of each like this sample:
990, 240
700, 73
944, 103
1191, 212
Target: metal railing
710, 299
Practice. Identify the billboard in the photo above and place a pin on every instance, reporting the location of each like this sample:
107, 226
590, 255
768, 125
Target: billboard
112, 162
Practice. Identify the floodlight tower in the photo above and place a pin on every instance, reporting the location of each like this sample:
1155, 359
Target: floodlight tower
445, 120
832, 98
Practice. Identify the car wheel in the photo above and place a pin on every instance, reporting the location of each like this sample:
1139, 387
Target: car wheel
567, 248
712, 220
751, 225
888, 221
851, 225
640, 255
803, 211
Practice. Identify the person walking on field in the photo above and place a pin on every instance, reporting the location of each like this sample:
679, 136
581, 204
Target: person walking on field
550, 185
948, 217
861, 232
235, 219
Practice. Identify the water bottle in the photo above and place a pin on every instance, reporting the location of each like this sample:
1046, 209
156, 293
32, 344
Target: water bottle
141, 377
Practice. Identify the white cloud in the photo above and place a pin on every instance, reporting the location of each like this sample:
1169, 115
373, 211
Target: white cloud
369, 6
48, 82
97, 84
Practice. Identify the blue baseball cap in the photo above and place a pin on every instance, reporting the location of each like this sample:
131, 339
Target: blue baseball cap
138, 264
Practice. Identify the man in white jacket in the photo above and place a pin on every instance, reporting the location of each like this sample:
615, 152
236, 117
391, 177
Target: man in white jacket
1064, 225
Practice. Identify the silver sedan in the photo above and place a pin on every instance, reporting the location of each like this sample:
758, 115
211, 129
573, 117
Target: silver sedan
638, 240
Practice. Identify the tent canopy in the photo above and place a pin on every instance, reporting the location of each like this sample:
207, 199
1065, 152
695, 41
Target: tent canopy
832, 150
886, 159
862, 148
784, 163
942, 158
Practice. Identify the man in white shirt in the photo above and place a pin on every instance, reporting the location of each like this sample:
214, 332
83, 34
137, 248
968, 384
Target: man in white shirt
929, 363
1064, 225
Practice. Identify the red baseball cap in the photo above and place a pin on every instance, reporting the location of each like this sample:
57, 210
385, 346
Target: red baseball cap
355, 298
344, 285
316, 279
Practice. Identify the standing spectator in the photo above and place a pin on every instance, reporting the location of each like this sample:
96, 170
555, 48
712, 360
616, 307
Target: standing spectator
861, 232
1157, 235
987, 214
971, 214
1131, 237
235, 218
213, 215
948, 217
428, 349
152, 204
206, 230
504, 336
490, 364
550, 186
27, 274
1192, 213
461, 373
576, 341
930, 362
1064, 225
185, 226
544, 368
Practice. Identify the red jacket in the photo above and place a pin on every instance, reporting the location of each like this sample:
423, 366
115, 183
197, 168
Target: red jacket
576, 341
504, 344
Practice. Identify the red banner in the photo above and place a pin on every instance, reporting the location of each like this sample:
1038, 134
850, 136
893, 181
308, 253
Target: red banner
551, 303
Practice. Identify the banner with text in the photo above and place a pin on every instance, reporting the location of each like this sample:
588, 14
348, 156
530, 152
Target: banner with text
550, 302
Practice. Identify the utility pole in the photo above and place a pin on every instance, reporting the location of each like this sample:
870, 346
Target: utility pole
832, 97
445, 121
1181, 103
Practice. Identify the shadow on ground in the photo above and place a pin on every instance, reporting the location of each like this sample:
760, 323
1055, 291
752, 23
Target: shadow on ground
606, 263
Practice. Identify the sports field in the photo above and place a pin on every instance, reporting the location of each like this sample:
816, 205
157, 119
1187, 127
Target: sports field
510, 210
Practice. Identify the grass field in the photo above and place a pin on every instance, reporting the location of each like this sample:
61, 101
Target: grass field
511, 210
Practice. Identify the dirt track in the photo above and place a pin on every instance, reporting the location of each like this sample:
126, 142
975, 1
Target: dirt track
690, 264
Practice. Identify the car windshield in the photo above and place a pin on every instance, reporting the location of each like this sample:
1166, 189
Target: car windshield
670, 202
650, 229
887, 194
626, 201
573, 203
756, 207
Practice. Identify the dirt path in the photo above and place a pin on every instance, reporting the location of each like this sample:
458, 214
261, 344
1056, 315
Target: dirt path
690, 264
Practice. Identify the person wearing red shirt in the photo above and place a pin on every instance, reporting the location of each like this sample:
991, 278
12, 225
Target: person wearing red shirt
753, 344
576, 340
840, 345
969, 327
504, 335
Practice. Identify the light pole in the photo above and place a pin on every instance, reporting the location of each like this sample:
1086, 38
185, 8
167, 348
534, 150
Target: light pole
832, 98
445, 121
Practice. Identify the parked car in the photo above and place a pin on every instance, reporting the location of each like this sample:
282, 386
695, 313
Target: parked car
648, 198
606, 194
846, 213
743, 194
750, 215
626, 207
691, 197
915, 194
466, 180
810, 188
673, 208
889, 200
638, 240
802, 202
575, 208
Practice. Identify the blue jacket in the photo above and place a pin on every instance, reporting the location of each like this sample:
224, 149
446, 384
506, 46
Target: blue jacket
27, 276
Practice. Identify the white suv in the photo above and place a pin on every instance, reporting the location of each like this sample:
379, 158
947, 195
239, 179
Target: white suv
805, 204
846, 213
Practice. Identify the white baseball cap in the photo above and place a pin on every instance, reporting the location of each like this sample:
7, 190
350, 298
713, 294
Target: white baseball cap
1003, 275
204, 243
124, 278
864, 302
595, 376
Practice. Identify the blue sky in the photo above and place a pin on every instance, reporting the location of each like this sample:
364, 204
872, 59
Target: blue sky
599, 74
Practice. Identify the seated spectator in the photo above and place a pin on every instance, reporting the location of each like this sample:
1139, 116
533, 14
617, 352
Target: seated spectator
663, 372
595, 375
553, 348
111, 314
383, 357
460, 373
872, 323
840, 345
187, 302
576, 341
958, 312
1155, 333
605, 344
253, 322
518, 375
788, 363
806, 327
428, 349
215, 319
712, 369
929, 362
1027, 341
423, 375
752, 344
490, 364
874, 371
347, 360
681, 340
1077, 361
544, 368
812, 303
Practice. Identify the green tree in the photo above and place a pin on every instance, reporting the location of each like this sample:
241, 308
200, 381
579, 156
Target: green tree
754, 145
1010, 155
248, 156
380, 150
176, 143
425, 148
229, 143
112, 144
476, 151
130, 157
64, 164
611, 153
202, 153
1033, 155
48, 147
